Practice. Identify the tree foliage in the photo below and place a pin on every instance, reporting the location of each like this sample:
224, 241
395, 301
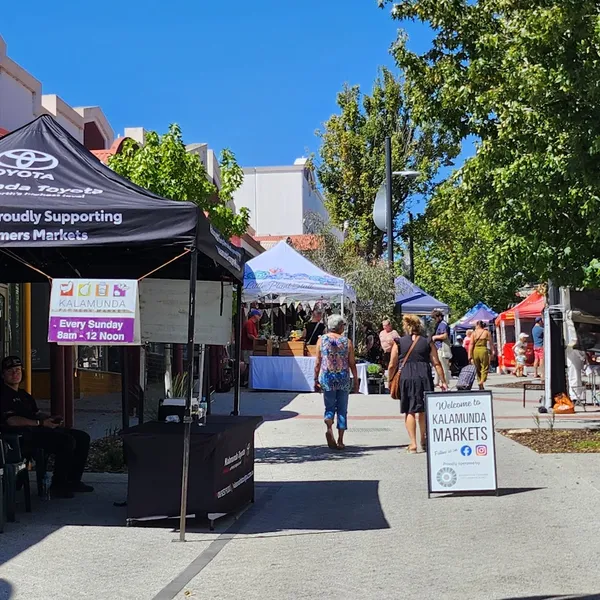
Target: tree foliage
352, 157
522, 78
456, 258
163, 166
371, 279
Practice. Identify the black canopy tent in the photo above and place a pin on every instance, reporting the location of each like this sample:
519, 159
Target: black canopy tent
65, 214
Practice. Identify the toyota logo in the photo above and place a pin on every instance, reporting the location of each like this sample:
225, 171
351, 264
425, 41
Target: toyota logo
32, 160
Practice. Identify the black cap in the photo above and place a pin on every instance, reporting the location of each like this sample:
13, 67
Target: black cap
11, 361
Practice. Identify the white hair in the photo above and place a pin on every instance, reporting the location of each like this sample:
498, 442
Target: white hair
336, 323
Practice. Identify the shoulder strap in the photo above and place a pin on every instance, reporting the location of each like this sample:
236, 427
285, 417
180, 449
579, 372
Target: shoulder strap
412, 347
312, 335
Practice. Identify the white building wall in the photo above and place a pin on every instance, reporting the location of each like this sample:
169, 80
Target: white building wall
274, 199
16, 102
21, 101
313, 201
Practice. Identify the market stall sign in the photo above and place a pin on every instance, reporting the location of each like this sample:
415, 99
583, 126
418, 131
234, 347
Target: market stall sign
461, 452
94, 312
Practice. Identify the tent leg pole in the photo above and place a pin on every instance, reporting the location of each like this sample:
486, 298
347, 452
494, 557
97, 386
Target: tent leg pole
124, 387
238, 351
187, 419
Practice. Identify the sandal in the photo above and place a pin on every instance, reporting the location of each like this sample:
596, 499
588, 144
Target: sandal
411, 450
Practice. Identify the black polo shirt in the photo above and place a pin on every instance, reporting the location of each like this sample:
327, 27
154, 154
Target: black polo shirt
16, 403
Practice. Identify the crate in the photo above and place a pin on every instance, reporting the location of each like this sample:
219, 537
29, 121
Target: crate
311, 351
263, 348
291, 349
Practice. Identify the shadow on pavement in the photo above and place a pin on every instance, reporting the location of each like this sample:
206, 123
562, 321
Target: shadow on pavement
49, 516
314, 506
269, 405
302, 454
6, 590
501, 492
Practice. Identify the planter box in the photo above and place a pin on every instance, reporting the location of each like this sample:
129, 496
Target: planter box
291, 349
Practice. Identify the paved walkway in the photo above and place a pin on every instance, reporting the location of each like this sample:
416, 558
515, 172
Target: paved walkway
351, 525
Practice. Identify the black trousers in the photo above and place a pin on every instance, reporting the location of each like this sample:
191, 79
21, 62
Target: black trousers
70, 448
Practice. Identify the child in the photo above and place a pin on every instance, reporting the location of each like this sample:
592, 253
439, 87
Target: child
519, 350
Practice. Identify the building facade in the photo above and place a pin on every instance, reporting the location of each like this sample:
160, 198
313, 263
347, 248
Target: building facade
281, 200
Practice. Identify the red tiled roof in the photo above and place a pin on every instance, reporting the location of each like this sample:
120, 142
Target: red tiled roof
299, 242
104, 155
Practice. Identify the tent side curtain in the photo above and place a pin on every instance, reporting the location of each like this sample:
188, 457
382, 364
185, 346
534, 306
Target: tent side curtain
412, 299
57, 197
283, 273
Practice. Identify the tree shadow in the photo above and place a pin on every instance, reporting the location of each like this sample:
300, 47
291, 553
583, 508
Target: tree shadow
304, 454
6, 590
270, 405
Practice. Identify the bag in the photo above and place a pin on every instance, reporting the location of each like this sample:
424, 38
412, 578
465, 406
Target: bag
563, 405
445, 351
466, 378
395, 381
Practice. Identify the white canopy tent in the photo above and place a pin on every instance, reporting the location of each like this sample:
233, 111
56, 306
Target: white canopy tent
285, 275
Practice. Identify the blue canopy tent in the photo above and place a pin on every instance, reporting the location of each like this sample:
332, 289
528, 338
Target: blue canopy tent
410, 298
480, 312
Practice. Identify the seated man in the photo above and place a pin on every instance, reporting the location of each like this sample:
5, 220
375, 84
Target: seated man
19, 412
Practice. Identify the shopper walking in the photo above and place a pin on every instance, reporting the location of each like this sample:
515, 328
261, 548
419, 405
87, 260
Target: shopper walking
537, 333
480, 350
442, 343
335, 362
411, 360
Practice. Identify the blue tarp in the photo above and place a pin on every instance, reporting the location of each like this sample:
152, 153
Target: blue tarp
412, 299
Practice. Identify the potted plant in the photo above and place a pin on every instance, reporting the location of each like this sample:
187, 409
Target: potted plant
375, 378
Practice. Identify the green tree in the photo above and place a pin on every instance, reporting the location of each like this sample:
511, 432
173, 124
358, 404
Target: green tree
352, 157
456, 254
163, 166
371, 279
522, 79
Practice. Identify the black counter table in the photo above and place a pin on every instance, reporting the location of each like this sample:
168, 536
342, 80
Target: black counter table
221, 476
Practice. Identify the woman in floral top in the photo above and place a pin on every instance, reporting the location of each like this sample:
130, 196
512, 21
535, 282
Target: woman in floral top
335, 361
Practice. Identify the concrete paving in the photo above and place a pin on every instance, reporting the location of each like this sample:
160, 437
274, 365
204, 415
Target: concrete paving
347, 525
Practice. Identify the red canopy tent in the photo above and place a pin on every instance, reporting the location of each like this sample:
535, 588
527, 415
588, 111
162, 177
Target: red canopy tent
512, 322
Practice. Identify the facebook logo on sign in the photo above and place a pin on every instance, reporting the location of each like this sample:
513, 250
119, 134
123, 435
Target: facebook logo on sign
466, 451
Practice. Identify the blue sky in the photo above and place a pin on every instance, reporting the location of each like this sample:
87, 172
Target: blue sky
258, 77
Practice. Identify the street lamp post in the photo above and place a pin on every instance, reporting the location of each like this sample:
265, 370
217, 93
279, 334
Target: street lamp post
383, 210
388, 198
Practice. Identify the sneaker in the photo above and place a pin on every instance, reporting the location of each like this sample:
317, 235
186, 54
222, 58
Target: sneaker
60, 491
79, 486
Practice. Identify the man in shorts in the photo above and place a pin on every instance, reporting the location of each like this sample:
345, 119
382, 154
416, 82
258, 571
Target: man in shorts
537, 334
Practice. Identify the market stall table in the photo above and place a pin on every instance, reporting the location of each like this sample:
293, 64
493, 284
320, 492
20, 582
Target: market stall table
292, 373
221, 468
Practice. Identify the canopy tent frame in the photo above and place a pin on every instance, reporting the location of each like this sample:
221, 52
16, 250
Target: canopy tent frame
62, 229
410, 298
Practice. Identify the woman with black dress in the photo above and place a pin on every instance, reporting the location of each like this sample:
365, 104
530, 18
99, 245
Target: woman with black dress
314, 329
415, 355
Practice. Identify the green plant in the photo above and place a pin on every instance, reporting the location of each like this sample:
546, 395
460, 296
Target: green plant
551, 421
164, 166
374, 370
537, 420
106, 454
179, 386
